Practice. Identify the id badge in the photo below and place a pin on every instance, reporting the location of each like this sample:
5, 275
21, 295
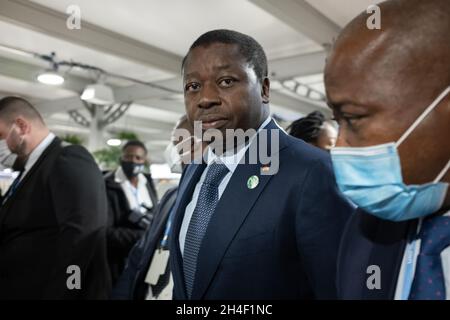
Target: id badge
157, 266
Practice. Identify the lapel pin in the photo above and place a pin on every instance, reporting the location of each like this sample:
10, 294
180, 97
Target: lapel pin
252, 182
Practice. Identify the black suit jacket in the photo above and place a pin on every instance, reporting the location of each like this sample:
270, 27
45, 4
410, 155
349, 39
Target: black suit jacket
131, 284
55, 219
370, 241
121, 234
276, 241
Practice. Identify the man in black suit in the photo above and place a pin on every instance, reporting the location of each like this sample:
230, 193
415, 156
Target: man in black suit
132, 198
139, 281
247, 227
53, 217
378, 83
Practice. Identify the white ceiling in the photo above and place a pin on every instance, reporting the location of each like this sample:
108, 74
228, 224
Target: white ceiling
170, 25
174, 24
34, 90
31, 40
341, 12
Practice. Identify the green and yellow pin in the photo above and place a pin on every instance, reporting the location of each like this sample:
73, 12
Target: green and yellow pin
252, 182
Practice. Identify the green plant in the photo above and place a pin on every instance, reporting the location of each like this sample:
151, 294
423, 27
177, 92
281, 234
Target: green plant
127, 135
72, 139
108, 158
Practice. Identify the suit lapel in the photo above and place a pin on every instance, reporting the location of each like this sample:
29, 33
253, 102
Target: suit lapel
232, 209
387, 253
185, 191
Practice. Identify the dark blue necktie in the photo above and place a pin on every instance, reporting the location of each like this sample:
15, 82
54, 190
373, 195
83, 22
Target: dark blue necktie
13, 187
429, 282
206, 204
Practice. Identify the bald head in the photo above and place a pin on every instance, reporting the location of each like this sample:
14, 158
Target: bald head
379, 81
413, 43
13, 107
21, 126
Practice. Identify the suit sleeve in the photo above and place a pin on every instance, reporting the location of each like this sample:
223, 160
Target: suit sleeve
123, 288
79, 202
120, 236
320, 220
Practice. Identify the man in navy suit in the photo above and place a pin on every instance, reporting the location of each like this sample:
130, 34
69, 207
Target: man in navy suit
248, 229
378, 82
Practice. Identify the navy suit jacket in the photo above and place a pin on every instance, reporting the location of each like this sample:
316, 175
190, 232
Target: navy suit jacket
370, 241
276, 241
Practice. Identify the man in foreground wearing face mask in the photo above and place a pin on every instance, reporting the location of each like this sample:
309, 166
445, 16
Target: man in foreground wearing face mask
389, 91
131, 199
53, 217
147, 273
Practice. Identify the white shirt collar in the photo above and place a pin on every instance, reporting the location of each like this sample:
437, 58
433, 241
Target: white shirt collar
37, 152
136, 196
232, 160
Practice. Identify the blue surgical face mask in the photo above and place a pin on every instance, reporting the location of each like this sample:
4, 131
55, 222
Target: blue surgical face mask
371, 177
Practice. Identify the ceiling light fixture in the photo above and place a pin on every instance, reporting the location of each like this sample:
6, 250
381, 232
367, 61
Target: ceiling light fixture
50, 77
114, 142
98, 93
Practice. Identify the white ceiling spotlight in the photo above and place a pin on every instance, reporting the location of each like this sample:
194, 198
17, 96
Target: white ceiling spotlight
50, 77
114, 142
98, 93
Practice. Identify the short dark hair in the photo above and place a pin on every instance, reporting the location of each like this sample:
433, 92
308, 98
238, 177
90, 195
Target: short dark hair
307, 128
13, 106
250, 49
134, 143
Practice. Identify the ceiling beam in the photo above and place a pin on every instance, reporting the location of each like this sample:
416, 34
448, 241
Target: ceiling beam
48, 107
302, 17
53, 23
28, 72
134, 124
297, 103
300, 65
138, 92
172, 105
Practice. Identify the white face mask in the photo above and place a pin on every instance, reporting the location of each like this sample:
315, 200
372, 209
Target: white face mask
173, 158
7, 158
